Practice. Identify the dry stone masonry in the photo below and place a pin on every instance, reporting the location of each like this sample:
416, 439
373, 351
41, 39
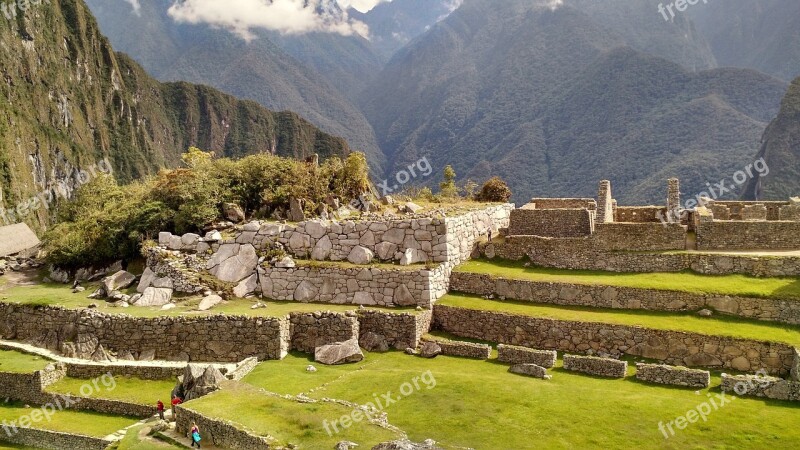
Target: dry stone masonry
673, 375
761, 386
592, 365
513, 354
464, 349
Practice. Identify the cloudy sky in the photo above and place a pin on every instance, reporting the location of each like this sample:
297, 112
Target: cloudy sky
243, 17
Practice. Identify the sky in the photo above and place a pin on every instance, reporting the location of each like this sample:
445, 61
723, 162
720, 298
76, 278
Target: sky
244, 17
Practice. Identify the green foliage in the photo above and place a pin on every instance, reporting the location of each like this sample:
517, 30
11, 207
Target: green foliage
494, 190
106, 221
448, 188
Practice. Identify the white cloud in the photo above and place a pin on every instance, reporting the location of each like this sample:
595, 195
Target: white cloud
361, 5
242, 17
137, 7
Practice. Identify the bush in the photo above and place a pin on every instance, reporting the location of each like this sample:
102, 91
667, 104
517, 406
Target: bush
107, 222
494, 190
448, 187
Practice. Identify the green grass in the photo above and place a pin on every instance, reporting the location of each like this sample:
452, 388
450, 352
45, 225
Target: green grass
67, 421
61, 295
738, 285
689, 322
137, 439
126, 389
478, 404
287, 421
18, 362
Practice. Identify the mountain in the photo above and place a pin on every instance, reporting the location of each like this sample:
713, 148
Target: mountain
758, 34
258, 70
394, 24
555, 98
781, 151
68, 101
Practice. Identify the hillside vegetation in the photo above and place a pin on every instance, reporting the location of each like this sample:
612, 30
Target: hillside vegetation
68, 101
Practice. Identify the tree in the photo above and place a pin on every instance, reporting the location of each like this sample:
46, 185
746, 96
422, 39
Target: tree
494, 190
448, 186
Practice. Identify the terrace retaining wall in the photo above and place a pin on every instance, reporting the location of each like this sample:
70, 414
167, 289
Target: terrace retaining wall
761, 386
745, 235
615, 297
401, 330
219, 432
671, 347
551, 222
463, 349
54, 440
311, 330
582, 254
29, 387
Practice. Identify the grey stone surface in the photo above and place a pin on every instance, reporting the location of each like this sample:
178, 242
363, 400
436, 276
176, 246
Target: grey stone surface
339, 353
531, 370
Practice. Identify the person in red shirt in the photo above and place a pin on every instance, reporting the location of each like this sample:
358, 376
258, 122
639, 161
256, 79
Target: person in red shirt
175, 402
160, 408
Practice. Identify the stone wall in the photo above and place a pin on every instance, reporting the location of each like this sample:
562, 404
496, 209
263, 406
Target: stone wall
635, 237
795, 372
29, 387
599, 296
219, 432
640, 214
736, 208
54, 440
563, 203
602, 367
401, 330
352, 285
243, 369
308, 331
513, 354
100, 405
743, 235
551, 222
142, 371
210, 338
463, 349
673, 375
670, 347
761, 386
581, 254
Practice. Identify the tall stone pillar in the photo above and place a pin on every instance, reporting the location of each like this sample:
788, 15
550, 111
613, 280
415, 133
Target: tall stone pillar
674, 200
605, 203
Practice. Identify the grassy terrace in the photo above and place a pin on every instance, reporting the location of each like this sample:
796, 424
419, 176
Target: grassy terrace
717, 326
287, 421
68, 421
126, 389
478, 404
18, 362
61, 295
739, 285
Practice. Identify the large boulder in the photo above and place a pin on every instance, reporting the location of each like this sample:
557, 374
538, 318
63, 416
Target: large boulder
403, 297
322, 250
305, 292
296, 213
413, 256
120, 280
246, 286
233, 212
146, 281
286, 263
430, 350
531, 370
386, 250
339, 353
154, 296
373, 342
209, 302
239, 266
360, 255
198, 381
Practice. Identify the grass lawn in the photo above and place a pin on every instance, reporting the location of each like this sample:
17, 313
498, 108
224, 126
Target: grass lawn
61, 295
286, 420
68, 421
126, 389
478, 404
18, 362
739, 285
690, 322
138, 439
4, 446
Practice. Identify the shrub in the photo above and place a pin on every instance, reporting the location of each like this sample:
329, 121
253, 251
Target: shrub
448, 187
494, 190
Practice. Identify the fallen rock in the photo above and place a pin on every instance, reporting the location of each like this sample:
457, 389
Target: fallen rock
412, 208
209, 302
310, 368
373, 342
705, 313
286, 263
296, 213
531, 370
153, 296
346, 445
233, 212
339, 353
430, 350
405, 444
